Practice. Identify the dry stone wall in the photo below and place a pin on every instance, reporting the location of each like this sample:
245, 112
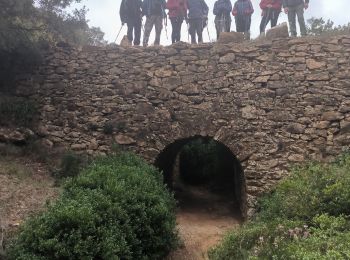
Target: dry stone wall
273, 103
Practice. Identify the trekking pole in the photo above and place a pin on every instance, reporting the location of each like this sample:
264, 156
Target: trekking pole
188, 33
165, 24
119, 32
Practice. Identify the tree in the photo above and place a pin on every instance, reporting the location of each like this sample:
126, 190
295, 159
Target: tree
26, 26
318, 26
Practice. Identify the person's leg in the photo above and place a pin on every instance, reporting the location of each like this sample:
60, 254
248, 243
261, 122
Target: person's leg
264, 21
227, 24
148, 29
274, 18
301, 20
248, 21
192, 30
179, 25
130, 31
137, 32
217, 23
158, 24
292, 21
200, 30
240, 24
174, 29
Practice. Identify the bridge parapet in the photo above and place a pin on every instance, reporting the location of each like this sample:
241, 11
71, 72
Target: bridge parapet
272, 103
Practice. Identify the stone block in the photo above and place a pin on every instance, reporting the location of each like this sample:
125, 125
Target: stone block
230, 37
279, 31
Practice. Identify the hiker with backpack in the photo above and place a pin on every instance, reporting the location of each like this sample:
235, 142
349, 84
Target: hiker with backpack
222, 12
242, 11
271, 10
296, 8
130, 14
154, 10
197, 18
177, 14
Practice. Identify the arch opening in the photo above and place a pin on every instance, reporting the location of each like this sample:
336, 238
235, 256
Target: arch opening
204, 172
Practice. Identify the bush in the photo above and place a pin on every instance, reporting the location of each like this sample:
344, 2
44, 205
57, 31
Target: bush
117, 208
305, 217
311, 190
18, 112
71, 165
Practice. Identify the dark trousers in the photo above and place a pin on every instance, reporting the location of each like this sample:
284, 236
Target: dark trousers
134, 31
222, 24
196, 28
243, 23
176, 23
292, 13
269, 15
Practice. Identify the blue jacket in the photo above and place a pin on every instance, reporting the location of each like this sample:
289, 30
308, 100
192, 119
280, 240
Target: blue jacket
222, 7
197, 9
148, 8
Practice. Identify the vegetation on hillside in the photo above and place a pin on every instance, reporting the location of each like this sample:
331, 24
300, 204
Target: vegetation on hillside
306, 217
117, 208
27, 26
318, 26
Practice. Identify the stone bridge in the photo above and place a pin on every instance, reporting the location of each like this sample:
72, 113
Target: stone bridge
271, 103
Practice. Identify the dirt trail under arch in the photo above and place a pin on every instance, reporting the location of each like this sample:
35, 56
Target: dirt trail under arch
203, 218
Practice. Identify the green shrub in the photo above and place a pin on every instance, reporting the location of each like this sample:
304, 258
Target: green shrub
70, 166
328, 239
108, 128
305, 217
18, 112
117, 208
311, 190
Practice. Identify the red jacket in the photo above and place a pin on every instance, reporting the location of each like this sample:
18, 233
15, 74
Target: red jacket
276, 4
177, 8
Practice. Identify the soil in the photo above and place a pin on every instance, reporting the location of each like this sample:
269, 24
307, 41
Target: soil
203, 218
25, 187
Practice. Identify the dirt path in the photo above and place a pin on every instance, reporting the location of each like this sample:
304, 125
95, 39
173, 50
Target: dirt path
25, 186
203, 218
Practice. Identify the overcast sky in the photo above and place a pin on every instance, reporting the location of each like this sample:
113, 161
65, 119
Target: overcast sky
105, 14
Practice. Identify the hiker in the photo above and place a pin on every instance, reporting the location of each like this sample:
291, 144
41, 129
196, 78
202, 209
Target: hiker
222, 12
197, 18
130, 14
296, 8
177, 14
242, 11
154, 10
271, 10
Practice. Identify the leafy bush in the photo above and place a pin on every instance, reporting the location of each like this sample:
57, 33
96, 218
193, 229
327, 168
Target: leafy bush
305, 217
108, 128
71, 165
117, 208
19, 112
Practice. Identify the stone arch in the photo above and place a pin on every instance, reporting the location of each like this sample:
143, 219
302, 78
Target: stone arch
165, 161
